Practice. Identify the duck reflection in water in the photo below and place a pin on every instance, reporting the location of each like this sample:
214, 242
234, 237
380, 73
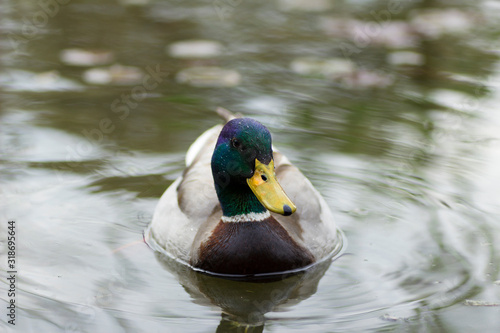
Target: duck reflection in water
243, 304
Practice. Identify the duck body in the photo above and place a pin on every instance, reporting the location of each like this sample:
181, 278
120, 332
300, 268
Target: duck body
251, 248
227, 213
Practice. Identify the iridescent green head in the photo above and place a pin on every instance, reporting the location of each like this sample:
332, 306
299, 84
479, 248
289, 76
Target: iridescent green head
243, 170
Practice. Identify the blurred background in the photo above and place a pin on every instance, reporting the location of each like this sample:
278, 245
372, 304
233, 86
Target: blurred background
389, 107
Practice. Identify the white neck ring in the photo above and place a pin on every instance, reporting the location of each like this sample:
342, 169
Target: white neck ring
250, 217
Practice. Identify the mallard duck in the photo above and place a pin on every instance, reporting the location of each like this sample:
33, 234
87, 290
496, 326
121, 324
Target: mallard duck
241, 208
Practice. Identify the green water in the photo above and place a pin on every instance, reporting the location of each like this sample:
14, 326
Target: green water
389, 107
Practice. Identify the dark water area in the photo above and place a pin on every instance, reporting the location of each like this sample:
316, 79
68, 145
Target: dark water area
390, 108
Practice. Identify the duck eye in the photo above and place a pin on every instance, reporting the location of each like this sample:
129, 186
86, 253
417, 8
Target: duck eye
235, 143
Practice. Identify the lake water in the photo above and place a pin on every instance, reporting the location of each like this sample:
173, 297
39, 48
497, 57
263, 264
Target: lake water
389, 107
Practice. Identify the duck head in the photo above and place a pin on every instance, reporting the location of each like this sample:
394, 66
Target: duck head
243, 171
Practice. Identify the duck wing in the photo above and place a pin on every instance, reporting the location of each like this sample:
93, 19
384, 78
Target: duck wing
188, 203
312, 225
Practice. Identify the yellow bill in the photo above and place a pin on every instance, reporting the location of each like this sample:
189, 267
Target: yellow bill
266, 188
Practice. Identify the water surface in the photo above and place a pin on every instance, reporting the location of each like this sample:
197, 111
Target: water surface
390, 108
